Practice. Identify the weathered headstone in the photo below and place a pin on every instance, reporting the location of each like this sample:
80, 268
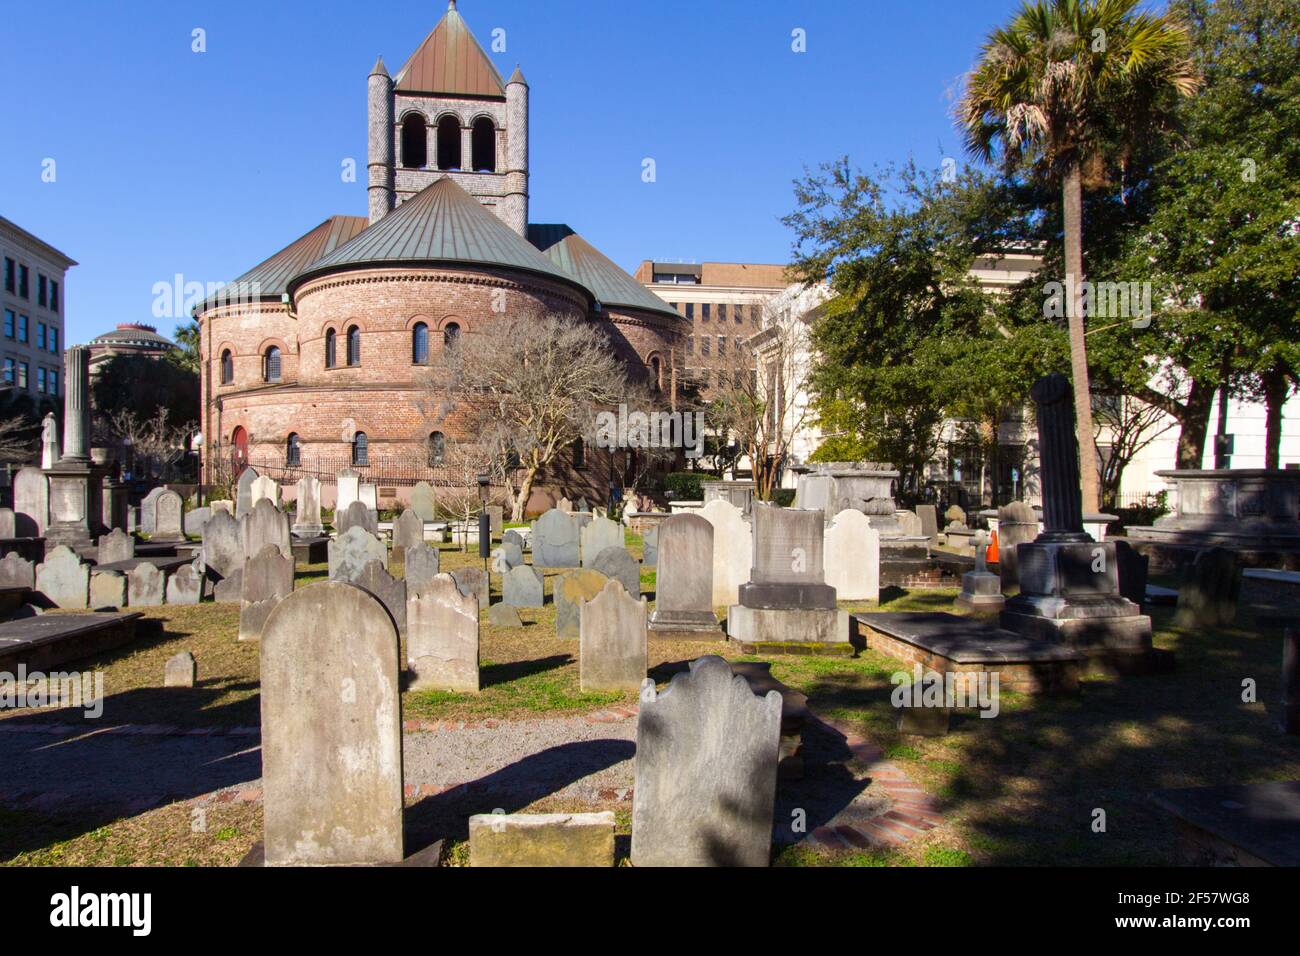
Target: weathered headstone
222, 504
408, 532
265, 524
980, 590
442, 637
617, 563
929, 518
733, 550
356, 515
107, 589
185, 585
503, 615
564, 505
244, 491
16, 571
349, 490
954, 517
195, 519
909, 523
351, 551
63, 579
474, 581
1133, 568
8, 525
541, 839
706, 756
31, 502
391, 591
117, 545
306, 520
423, 502
421, 566
650, 547
507, 556
181, 670
1017, 525
331, 730
522, 587
149, 510
368, 495
555, 541
852, 557
264, 487
145, 585
571, 590
513, 536
223, 555
684, 577
599, 534
169, 525
1209, 589
612, 653
496, 518
267, 580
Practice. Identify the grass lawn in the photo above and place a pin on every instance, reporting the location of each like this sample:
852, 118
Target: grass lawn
1021, 788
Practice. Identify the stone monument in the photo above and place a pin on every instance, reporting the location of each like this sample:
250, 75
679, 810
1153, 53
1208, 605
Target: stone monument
684, 580
980, 590
76, 484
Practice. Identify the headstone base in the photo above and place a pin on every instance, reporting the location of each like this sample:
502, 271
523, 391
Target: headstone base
431, 855
980, 591
782, 596
685, 625
787, 625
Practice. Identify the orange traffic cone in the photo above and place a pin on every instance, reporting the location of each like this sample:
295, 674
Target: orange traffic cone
991, 555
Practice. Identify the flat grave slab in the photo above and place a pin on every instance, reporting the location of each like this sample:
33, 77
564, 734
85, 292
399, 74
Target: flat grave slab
48, 640
948, 642
163, 563
1247, 825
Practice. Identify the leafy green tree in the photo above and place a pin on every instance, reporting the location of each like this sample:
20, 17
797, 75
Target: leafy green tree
143, 385
187, 355
1065, 89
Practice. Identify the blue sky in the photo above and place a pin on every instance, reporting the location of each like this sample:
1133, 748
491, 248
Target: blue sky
170, 161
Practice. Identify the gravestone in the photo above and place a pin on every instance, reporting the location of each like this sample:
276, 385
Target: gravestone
564, 505
507, 556
356, 515
351, 551
49, 441
442, 637
149, 510
496, 518
195, 519
264, 487
612, 653
408, 531
1133, 568
146, 585
391, 591
223, 555
684, 578
349, 490
8, 526
571, 590
980, 590
619, 565
267, 580
222, 504
650, 547
368, 495
474, 581
31, 502
331, 730
244, 491
63, 579
185, 586
706, 756
909, 523
929, 519
503, 615
181, 670
421, 566
169, 523
423, 502
541, 839
954, 518
555, 541
107, 589
115, 546
599, 534
852, 557
1209, 590
307, 520
514, 537
522, 587
17, 572
265, 524
733, 550
1017, 525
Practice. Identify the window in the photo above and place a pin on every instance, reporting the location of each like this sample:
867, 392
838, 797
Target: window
22, 374
271, 365
42, 290
54, 295
293, 451
54, 340
420, 344
415, 142
690, 310
655, 380
483, 143
11, 269
437, 448
9, 323
10, 372
579, 454
722, 345
54, 382
360, 449
331, 348
40, 380
704, 311
22, 282
690, 345
22, 328
449, 143
740, 314
450, 333
40, 335
227, 367
722, 312
354, 346
704, 345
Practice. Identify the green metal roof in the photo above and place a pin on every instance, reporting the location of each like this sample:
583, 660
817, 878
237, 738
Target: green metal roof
597, 272
440, 224
271, 277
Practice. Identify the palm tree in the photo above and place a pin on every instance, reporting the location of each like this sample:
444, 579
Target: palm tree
1062, 88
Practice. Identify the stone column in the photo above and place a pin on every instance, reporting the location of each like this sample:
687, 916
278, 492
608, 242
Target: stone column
1058, 451
76, 403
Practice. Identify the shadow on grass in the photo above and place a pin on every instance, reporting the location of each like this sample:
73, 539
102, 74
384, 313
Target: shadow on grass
504, 673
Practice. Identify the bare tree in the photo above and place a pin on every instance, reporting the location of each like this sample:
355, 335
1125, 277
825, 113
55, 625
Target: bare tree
1127, 425
152, 441
16, 439
535, 385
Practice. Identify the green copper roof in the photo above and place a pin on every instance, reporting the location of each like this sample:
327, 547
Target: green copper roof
440, 224
599, 274
270, 279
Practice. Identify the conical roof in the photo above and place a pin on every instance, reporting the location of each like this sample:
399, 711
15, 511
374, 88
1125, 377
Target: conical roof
601, 276
450, 61
440, 224
270, 279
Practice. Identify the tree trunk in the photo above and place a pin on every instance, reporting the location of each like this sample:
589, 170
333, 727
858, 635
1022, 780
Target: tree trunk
525, 492
1275, 395
1194, 425
1073, 200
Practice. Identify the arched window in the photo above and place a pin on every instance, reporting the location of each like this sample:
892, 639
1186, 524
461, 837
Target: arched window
227, 367
354, 346
437, 448
360, 449
293, 451
331, 348
656, 381
483, 142
448, 143
420, 344
271, 365
415, 142
450, 333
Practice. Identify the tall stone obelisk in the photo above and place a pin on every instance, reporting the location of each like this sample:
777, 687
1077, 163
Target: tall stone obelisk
76, 485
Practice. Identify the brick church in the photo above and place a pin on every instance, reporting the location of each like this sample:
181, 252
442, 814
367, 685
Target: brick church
317, 357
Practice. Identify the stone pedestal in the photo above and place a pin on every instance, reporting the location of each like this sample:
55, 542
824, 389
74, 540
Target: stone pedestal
115, 502
787, 625
76, 505
1239, 508
980, 591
